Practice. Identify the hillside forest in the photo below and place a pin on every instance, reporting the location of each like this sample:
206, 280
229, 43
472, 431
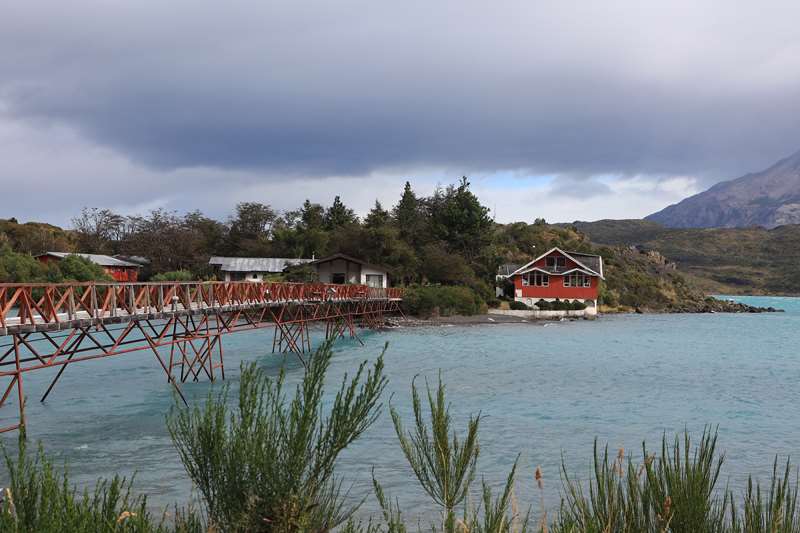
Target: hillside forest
447, 240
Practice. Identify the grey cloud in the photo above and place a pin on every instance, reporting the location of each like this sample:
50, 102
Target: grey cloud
577, 187
270, 90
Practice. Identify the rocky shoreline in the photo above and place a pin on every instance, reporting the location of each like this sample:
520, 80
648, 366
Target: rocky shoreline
709, 305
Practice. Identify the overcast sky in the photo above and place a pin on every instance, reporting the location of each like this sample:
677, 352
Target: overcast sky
560, 109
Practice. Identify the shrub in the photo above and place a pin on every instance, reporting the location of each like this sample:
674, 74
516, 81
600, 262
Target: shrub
20, 268
40, 498
674, 492
76, 268
544, 305
442, 300
518, 306
444, 465
301, 273
268, 463
577, 305
174, 275
493, 303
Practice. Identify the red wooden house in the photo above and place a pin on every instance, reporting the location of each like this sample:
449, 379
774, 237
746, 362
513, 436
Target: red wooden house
560, 275
116, 268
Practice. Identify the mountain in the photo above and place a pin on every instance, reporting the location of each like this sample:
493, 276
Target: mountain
769, 198
751, 260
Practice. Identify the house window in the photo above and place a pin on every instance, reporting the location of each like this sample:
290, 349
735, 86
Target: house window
556, 262
375, 280
338, 278
536, 279
577, 280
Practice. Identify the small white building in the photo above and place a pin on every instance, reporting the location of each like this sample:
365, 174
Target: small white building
251, 268
341, 269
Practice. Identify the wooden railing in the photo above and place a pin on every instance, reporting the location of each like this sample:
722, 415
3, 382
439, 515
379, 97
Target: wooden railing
52, 303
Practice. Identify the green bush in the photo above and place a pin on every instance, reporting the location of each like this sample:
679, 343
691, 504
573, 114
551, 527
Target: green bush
40, 498
518, 306
576, 305
20, 268
301, 274
435, 300
174, 275
544, 305
24, 268
268, 464
76, 268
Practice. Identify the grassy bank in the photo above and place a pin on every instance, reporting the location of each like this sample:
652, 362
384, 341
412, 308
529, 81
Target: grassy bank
267, 462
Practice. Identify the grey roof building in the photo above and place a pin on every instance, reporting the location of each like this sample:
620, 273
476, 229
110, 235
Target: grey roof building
252, 268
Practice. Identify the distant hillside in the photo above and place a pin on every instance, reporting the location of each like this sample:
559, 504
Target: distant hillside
723, 260
35, 237
769, 198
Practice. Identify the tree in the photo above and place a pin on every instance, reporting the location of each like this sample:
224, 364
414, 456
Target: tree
339, 215
253, 220
251, 229
459, 219
312, 216
377, 217
98, 229
407, 215
162, 238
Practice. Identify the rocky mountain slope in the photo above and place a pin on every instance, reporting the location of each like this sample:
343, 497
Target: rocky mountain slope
769, 198
720, 260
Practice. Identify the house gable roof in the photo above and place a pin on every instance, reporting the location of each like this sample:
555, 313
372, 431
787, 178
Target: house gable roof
350, 258
571, 255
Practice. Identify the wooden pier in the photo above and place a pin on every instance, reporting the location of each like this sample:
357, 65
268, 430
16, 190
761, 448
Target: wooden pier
55, 325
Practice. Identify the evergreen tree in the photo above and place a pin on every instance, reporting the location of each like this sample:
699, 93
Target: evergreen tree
377, 217
459, 219
339, 215
408, 216
312, 216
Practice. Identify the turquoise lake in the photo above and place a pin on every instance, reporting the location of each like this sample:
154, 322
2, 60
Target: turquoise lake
544, 390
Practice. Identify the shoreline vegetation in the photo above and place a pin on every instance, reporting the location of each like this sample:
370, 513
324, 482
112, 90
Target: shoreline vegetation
264, 459
445, 248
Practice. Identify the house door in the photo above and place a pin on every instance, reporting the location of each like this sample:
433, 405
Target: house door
338, 278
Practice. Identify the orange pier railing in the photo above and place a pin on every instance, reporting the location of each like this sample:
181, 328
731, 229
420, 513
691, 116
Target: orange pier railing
181, 323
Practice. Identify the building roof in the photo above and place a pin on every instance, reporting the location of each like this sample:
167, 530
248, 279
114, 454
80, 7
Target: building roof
350, 258
589, 263
138, 259
98, 259
592, 261
507, 269
255, 264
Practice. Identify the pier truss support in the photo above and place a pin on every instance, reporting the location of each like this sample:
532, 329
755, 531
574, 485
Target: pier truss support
181, 324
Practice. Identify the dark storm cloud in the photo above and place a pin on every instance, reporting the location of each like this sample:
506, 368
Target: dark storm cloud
350, 88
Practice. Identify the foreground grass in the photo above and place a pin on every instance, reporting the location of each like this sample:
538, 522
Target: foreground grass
267, 464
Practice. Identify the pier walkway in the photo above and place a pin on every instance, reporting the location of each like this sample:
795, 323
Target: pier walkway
182, 324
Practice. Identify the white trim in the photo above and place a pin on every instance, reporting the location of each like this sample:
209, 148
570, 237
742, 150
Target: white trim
543, 271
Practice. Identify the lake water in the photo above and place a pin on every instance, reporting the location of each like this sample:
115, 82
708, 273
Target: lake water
544, 390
